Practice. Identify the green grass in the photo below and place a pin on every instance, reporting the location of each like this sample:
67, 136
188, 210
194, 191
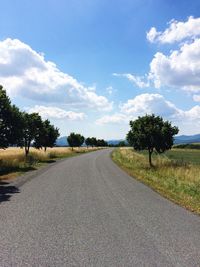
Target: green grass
174, 178
185, 155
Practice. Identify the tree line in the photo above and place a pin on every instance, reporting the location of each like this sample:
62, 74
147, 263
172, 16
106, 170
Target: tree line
77, 140
22, 129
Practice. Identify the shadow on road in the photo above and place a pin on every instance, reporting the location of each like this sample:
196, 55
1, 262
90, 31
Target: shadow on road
6, 191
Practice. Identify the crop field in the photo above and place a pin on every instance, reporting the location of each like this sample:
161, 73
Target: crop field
13, 161
175, 175
184, 155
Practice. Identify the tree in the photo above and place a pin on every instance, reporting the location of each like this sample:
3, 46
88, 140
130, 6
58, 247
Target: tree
101, 143
88, 141
122, 144
75, 140
152, 133
10, 121
93, 141
47, 136
32, 128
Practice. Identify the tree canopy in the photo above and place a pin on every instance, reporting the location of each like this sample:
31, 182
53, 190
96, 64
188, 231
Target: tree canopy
152, 133
23, 129
10, 121
75, 140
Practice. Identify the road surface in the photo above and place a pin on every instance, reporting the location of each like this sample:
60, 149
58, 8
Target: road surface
85, 211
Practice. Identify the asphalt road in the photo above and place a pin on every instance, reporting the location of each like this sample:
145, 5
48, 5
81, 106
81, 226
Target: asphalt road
85, 211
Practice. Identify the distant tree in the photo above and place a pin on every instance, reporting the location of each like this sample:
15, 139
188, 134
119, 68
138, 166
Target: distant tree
32, 128
88, 141
10, 121
122, 144
75, 140
93, 141
152, 133
47, 136
101, 143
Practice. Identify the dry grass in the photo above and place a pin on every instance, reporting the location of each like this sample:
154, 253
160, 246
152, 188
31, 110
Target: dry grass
175, 179
13, 161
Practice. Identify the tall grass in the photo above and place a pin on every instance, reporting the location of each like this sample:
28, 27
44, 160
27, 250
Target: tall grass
14, 162
175, 179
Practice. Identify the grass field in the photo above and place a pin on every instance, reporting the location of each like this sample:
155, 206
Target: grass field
176, 174
14, 163
184, 155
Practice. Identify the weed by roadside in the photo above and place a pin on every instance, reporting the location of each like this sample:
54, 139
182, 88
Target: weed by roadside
175, 179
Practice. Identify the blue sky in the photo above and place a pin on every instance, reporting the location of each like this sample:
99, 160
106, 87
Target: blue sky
92, 65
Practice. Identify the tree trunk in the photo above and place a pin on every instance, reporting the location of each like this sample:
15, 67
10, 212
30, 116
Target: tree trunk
150, 161
45, 148
26, 151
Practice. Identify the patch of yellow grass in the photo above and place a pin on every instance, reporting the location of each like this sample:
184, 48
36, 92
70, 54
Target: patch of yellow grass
13, 161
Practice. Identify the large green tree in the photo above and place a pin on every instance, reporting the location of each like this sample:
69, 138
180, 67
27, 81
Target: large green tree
152, 133
47, 136
32, 128
10, 121
75, 140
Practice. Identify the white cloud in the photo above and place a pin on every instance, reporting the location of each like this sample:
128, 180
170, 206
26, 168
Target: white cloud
110, 90
115, 118
147, 104
181, 69
25, 72
196, 98
56, 113
176, 32
157, 104
141, 82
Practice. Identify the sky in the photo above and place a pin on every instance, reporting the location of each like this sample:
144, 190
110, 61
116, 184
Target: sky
91, 66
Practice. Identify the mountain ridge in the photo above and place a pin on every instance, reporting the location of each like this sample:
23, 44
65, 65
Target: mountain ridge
181, 139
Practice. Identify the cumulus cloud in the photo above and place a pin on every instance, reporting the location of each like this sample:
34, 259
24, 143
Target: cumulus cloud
25, 72
181, 69
56, 113
157, 104
176, 31
149, 103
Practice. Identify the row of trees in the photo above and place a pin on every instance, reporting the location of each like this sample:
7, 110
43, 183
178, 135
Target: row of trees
23, 129
77, 140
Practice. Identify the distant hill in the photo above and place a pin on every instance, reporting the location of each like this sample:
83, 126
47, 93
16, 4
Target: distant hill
187, 139
62, 141
181, 139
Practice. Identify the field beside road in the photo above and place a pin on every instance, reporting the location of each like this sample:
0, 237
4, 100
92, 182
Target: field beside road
14, 163
175, 175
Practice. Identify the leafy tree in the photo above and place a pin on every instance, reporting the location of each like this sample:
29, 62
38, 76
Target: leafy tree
88, 141
122, 144
93, 141
10, 121
32, 128
152, 133
47, 136
101, 143
75, 140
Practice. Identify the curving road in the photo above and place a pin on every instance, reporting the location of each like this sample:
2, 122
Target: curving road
85, 211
